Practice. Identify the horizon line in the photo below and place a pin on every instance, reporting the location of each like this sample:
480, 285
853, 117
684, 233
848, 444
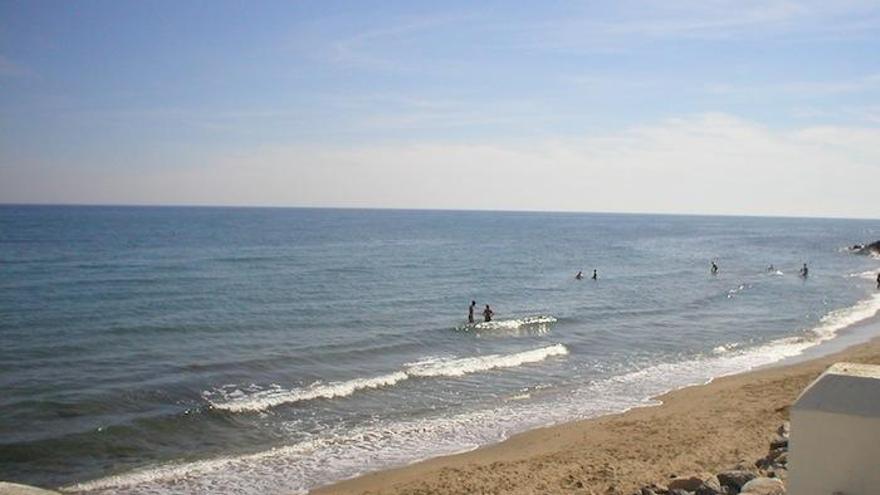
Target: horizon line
451, 210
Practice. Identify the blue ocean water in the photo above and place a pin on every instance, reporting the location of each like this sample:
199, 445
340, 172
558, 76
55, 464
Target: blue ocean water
258, 350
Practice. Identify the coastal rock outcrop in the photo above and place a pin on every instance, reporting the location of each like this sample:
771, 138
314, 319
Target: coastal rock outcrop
872, 248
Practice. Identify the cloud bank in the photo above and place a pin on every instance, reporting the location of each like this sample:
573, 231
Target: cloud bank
701, 164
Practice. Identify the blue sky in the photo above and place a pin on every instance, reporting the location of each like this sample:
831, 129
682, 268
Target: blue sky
680, 107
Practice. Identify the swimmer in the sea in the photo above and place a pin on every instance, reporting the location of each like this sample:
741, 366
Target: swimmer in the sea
595, 274
579, 276
878, 280
714, 268
771, 268
805, 271
487, 313
471, 312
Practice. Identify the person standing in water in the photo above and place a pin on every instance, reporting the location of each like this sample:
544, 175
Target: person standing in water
878, 280
487, 313
579, 275
714, 268
471, 311
595, 274
805, 271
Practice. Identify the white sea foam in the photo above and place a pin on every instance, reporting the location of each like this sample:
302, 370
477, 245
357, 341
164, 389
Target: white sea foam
515, 323
464, 366
238, 401
839, 319
266, 399
868, 275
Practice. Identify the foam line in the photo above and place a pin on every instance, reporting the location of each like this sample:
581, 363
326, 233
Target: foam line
453, 367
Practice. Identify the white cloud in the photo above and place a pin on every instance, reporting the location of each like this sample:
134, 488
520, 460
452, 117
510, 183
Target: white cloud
711, 163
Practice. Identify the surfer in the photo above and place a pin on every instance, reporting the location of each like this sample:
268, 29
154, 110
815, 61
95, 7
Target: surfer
805, 271
579, 276
471, 312
595, 274
487, 313
714, 268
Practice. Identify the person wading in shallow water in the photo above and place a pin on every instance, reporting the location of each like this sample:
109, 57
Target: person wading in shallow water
714, 268
471, 312
487, 313
595, 274
878, 280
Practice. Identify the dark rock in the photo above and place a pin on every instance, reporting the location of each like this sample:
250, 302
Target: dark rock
784, 429
781, 459
872, 248
779, 442
775, 453
704, 484
763, 486
736, 478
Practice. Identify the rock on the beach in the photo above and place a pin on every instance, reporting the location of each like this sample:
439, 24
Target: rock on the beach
704, 484
784, 429
736, 478
779, 442
781, 459
16, 489
763, 486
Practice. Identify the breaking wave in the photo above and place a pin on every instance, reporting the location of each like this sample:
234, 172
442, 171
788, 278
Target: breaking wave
515, 323
239, 401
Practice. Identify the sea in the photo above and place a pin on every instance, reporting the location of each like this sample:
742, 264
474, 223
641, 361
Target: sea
160, 350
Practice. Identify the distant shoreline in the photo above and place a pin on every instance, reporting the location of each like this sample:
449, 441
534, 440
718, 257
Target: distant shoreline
698, 428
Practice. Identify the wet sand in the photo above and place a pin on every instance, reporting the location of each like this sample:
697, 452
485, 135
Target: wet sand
701, 428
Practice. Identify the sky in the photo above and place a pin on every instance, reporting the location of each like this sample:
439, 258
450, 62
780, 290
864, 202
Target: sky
698, 107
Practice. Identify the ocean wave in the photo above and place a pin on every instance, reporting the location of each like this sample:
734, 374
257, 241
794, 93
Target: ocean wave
339, 453
839, 319
237, 401
267, 399
464, 366
868, 275
515, 323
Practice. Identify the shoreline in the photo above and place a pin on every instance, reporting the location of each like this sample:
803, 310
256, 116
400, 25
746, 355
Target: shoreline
697, 428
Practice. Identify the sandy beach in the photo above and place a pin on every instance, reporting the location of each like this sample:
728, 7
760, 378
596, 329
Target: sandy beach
696, 429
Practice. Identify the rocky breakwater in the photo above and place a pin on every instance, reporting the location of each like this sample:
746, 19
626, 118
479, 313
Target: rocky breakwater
766, 476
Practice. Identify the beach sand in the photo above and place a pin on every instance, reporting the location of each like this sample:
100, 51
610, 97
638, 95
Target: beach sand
697, 429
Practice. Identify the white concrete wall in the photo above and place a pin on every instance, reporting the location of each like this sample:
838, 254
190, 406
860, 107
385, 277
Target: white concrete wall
831, 453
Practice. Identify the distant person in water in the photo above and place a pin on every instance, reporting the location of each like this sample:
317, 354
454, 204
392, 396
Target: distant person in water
771, 268
487, 313
595, 274
805, 271
471, 312
878, 280
714, 268
579, 276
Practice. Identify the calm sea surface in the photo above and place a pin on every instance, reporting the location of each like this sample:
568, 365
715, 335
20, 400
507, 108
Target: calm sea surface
215, 350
